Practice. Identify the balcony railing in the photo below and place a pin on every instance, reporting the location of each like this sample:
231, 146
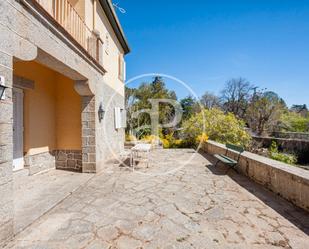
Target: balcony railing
65, 15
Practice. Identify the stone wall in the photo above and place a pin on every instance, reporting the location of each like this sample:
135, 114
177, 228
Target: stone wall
6, 151
291, 135
28, 35
290, 182
39, 162
109, 141
68, 160
293, 146
88, 134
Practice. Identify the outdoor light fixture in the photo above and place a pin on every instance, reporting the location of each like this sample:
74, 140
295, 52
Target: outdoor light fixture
101, 113
2, 87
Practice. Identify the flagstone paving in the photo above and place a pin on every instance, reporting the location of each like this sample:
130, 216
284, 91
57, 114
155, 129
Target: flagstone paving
169, 205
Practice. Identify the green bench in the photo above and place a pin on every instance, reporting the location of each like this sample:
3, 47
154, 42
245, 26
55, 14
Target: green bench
227, 160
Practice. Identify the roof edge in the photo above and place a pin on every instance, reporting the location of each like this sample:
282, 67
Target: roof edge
115, 23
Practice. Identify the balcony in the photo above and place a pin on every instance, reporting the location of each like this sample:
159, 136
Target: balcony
66, 16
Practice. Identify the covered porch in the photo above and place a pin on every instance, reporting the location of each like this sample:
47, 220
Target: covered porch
47, 120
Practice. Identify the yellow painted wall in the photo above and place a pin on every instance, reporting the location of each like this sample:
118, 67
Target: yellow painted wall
52, 110
68, 118
39, 108
79, 6
89, 13
111, 49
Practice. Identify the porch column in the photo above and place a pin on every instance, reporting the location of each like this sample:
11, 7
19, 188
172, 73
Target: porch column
6, 152
88, 127
88, 134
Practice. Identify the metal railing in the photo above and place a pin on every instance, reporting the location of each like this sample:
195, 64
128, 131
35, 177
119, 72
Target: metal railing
66, 16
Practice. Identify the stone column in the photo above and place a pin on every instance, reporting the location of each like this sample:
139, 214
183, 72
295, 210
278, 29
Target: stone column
88, 134
88, 126
6, 152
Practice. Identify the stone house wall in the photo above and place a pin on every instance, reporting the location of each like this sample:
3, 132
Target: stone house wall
28, 35
68, 160
6, 152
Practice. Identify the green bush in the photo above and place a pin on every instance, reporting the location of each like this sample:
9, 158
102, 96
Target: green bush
294, 122
282, 157
218, 126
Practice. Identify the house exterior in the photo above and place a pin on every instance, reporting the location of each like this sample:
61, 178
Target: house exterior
62, 62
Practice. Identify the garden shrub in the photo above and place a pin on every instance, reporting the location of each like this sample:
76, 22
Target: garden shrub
220, 127
282, 157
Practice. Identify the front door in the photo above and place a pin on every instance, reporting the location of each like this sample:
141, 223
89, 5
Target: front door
18, 129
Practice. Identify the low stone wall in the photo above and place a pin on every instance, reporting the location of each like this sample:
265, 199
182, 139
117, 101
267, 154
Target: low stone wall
293, 146
40, 162
291, 135
290, 182
69, 160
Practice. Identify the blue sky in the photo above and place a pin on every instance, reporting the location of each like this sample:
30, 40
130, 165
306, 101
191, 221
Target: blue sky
206, 42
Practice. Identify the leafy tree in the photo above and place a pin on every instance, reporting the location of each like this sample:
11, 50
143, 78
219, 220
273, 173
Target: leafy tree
130, 100
300, 109
294, 122
264, 112
190, 106
236, 96
138, 99
218, 126
209, 101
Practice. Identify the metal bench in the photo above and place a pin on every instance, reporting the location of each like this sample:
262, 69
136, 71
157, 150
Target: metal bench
227, 160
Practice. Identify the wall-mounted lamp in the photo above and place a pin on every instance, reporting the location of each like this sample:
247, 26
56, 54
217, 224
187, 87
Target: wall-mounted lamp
101, 112
2, 87
2, 90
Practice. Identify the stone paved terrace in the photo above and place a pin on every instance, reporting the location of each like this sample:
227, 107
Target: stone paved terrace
169, 206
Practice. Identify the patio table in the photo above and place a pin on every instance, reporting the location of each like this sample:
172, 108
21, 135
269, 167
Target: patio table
137, 149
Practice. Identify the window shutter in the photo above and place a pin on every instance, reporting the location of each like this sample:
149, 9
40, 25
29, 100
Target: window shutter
117, 118
124, 118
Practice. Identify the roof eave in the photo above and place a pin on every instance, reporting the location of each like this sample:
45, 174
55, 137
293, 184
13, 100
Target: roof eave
115, 23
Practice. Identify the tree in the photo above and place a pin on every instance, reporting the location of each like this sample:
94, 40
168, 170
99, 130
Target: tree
300, 109
264, 112
236, 95
189, 106
218, 126
138, 99
294, 122
130, 100
209, 101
